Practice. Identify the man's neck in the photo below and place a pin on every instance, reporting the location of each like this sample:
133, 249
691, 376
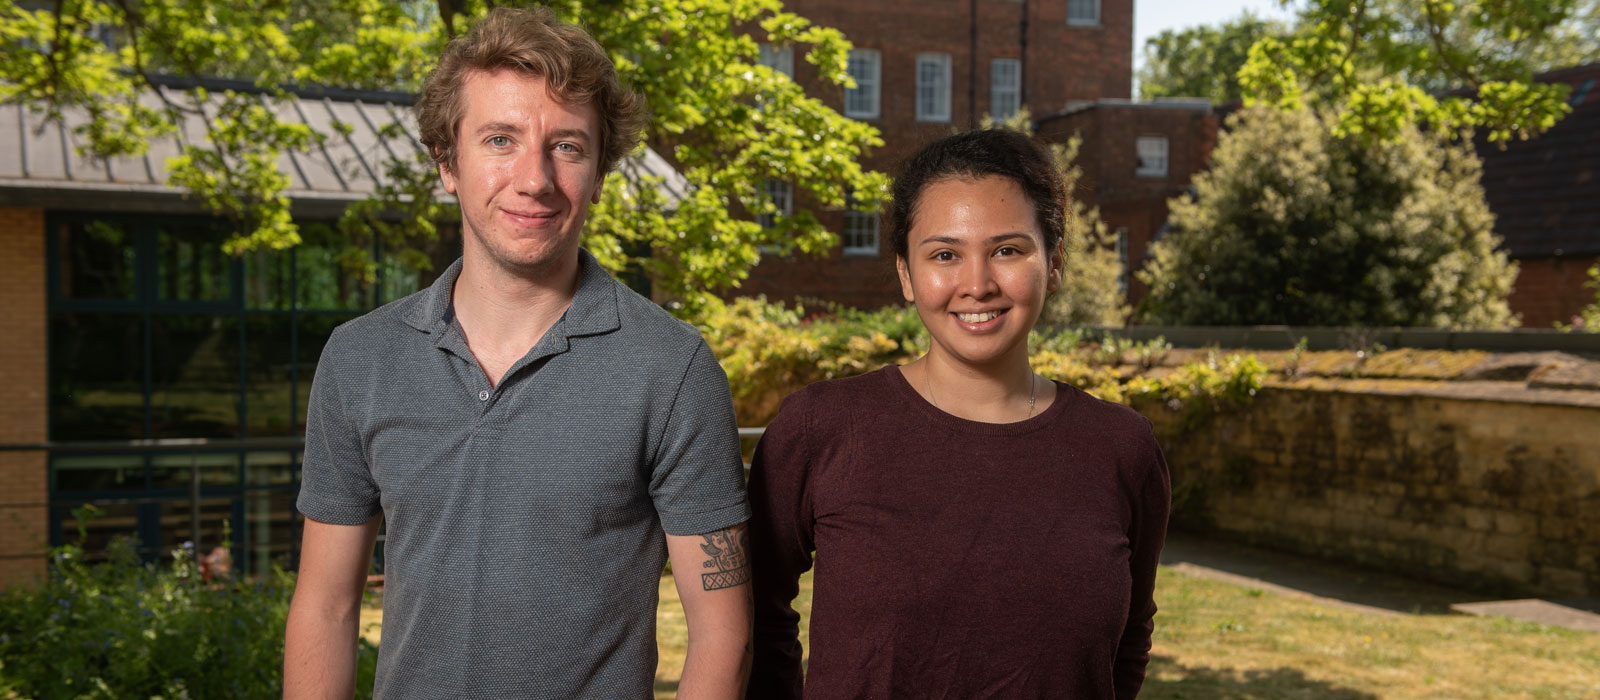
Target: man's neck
503, 313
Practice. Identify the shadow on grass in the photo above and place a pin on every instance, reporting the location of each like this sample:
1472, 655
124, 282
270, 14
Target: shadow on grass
1203, 683
1356, 585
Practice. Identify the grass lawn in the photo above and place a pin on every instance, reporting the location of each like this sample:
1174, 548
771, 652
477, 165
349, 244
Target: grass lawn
1219, 641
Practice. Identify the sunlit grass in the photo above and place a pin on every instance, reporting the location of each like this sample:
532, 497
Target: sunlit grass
1218, 641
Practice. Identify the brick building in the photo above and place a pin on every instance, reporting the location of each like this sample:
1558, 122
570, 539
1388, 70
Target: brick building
925, 69
1135, 156
1545, 195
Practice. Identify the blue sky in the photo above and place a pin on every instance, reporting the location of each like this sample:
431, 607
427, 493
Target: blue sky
1150, 17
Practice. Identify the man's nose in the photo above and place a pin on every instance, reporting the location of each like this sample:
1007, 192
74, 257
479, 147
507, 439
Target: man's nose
535, 173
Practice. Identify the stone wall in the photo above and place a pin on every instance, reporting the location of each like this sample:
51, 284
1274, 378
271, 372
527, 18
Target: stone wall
23, 408
1485, 485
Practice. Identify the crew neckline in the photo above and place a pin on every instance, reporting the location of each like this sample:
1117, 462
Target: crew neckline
908, 394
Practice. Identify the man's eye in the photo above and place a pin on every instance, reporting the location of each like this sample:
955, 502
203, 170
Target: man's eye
567, 147
499, 141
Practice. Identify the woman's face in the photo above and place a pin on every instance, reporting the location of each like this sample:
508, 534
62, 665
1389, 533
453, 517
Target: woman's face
977, 268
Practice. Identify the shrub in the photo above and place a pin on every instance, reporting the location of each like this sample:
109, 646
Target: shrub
121, 628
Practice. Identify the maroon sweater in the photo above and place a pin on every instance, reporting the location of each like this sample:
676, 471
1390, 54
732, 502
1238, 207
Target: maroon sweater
955, 559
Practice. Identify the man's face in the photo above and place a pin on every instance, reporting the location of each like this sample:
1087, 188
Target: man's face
526, 171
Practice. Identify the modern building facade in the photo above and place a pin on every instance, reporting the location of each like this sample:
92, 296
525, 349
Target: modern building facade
149, 373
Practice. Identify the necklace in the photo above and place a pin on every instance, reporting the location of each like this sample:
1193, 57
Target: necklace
1033, 390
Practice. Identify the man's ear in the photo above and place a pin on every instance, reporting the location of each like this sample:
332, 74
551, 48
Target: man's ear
903, 267
446, 175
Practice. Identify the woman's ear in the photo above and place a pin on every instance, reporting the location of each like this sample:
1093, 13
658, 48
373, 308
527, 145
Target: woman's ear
1058, 264
902, 266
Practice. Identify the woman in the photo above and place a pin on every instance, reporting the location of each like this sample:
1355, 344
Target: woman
979, 531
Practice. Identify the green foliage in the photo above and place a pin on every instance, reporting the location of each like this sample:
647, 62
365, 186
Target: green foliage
1295, 225
1380, 64
119, 628
1089, 293
728, 123
1589, 318
772, 350
1202, 61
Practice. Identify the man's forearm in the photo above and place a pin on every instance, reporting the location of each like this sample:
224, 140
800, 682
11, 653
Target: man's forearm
319, 652
717, 665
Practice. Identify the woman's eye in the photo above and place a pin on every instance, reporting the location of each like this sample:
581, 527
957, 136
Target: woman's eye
1008, 250
944, 255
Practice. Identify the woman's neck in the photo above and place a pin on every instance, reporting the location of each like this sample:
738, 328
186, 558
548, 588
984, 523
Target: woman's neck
1006, 391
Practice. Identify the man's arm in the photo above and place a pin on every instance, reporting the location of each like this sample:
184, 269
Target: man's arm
712, 573
319, 654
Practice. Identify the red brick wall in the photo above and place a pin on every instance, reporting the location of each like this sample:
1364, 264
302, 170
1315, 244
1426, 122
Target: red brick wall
1062, 64
23, 399
1109, 159
1550, 290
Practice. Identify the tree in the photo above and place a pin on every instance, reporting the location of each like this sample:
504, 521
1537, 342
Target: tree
1296, 225
1379, 63
1202, 61
728, 123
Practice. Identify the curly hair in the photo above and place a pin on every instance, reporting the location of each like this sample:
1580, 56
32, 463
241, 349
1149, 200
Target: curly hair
976, 154
574, 67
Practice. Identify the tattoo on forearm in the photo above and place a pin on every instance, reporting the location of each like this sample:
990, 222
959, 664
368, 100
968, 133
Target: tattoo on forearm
730, 559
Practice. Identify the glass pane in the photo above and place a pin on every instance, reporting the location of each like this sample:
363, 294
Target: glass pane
269, 535
114, 520
175, 470
177, 524
399, 280
269, 468
96, 376
190, 264
324, 284
267, 280
97, 260
195, 376
268, 364
314, 332
99, 472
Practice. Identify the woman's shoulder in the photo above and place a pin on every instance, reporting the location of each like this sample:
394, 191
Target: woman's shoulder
845, 390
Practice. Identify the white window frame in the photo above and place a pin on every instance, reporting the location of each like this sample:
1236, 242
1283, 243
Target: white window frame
1152, 156
861, 102
858, 227
778, 58
933, 87
781, 194
1083, 13
1005, 87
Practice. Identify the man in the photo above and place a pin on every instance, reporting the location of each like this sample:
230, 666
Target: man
527, 426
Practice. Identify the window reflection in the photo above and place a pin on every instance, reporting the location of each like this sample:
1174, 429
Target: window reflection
99, 472
96, 376
177, 470
269, 536
269, 376
194, 376
97, 260
190, 264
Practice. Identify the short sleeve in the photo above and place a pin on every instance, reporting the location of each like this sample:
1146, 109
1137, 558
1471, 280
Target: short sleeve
336, 484
697, 477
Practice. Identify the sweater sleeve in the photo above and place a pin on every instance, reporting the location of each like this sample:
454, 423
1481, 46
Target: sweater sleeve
781, 546
1151, 505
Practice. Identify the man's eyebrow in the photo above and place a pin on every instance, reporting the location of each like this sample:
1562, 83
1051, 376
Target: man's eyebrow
575, 134
499, 126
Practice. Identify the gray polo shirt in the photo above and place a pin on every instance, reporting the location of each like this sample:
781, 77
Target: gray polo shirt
524, 521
